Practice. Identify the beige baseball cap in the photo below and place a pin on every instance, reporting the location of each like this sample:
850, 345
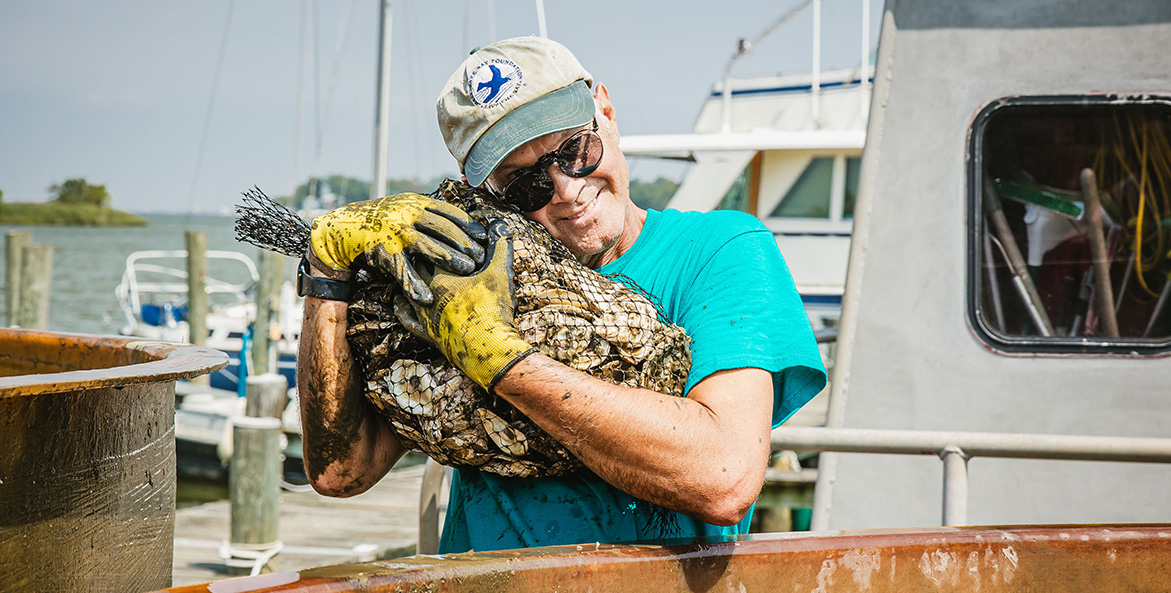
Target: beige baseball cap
508, 93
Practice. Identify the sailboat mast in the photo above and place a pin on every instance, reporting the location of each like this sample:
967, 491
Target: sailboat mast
382, 110
541, 19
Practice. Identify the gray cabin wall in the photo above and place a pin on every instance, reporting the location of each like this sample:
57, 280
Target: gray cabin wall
908, 358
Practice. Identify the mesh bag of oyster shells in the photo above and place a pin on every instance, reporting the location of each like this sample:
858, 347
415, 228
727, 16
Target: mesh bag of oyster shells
604, 326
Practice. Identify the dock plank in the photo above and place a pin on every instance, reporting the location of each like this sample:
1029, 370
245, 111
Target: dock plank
316, 530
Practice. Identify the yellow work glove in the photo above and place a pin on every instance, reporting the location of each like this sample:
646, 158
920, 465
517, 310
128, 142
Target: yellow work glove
470, 319
389, 229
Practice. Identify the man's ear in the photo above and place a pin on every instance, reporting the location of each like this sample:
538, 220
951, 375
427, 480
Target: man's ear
602, 101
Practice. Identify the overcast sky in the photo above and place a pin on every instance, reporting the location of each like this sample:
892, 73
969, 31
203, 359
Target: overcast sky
119, 91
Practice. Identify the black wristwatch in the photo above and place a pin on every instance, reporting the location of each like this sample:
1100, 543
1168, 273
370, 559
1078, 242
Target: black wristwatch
321, 288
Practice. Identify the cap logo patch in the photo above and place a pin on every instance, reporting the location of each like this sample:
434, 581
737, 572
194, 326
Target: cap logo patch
494, 81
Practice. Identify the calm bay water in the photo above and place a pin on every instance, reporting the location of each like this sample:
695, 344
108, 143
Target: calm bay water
88, 264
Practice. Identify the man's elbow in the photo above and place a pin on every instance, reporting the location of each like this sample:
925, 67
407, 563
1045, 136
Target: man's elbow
729, 511
733, 502
334, 478
334, 487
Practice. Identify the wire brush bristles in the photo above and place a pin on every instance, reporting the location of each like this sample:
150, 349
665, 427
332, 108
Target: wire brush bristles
269, 225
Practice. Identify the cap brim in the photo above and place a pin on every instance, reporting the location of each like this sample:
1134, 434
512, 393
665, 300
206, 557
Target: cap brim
563, 109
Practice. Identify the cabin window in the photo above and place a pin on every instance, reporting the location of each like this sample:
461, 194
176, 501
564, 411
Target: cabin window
745, 190
809, 197
1071, 199
737, 197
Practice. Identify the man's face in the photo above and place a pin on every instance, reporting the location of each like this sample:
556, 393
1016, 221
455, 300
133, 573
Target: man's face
589, 214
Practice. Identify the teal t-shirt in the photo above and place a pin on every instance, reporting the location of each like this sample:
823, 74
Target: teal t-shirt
720, 276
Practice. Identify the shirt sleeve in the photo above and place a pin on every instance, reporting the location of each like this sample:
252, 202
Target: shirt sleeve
743, 310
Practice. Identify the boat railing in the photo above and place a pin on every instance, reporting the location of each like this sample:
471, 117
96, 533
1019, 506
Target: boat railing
171, 280
746, 46
956, 448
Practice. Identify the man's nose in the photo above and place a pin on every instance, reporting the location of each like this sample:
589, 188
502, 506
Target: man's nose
565, 188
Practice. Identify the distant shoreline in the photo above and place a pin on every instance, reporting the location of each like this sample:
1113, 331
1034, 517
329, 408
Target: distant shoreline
58, 214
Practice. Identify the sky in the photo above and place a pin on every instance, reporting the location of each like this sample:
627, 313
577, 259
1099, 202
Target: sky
180, 106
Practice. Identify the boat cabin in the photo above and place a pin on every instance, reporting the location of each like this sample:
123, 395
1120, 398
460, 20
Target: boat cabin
1010, 259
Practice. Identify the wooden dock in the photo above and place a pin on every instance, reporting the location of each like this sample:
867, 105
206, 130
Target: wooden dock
316, 530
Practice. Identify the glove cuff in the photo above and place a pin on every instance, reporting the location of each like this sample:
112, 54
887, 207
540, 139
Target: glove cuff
491, 386
495, 351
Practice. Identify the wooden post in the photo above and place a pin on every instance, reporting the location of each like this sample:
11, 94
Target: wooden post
267, 395
1099, 255
14, 244
254, 483
197, 292
265, 328
36, 279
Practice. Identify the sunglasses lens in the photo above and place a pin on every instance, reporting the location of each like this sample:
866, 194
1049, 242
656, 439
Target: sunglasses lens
580, 155
530, 191
577, 157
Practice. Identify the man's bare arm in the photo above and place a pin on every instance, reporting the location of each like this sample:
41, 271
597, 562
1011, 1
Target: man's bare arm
704, 455
347, 448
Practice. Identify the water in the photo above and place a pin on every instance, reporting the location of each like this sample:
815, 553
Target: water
88, 264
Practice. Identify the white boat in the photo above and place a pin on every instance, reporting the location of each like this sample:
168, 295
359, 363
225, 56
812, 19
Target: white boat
786, 149
153, 297
940, 343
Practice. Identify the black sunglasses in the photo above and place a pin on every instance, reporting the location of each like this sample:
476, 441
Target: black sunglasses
531, 188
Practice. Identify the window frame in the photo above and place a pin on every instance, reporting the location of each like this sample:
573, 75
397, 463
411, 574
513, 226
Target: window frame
1034, 345
835, 224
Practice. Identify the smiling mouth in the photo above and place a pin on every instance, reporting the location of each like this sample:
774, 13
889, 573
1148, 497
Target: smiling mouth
585, 210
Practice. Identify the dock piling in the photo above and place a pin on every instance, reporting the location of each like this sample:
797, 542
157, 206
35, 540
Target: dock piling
14, 243
254, 481
197, 291
36, 274
264, 330
254, 489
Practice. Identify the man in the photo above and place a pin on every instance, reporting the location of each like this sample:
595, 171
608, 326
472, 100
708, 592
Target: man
525, 121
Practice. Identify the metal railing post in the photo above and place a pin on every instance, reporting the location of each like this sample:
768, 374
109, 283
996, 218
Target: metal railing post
815, 109
955, 486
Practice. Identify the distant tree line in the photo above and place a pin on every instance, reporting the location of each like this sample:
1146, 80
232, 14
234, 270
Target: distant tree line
78, 191
652, 194
349, 189
646, 194
74, 202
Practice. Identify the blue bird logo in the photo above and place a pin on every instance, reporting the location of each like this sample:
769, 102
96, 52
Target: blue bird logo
496, 83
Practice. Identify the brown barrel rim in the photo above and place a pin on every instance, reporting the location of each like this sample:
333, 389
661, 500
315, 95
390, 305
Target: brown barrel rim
152, 361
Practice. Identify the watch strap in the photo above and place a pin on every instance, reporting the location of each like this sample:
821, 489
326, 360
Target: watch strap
322, 288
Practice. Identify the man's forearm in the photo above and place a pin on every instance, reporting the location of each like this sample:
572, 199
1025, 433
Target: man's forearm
703, 455
346, 447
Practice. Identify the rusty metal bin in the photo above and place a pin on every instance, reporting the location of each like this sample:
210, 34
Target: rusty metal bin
87, 459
